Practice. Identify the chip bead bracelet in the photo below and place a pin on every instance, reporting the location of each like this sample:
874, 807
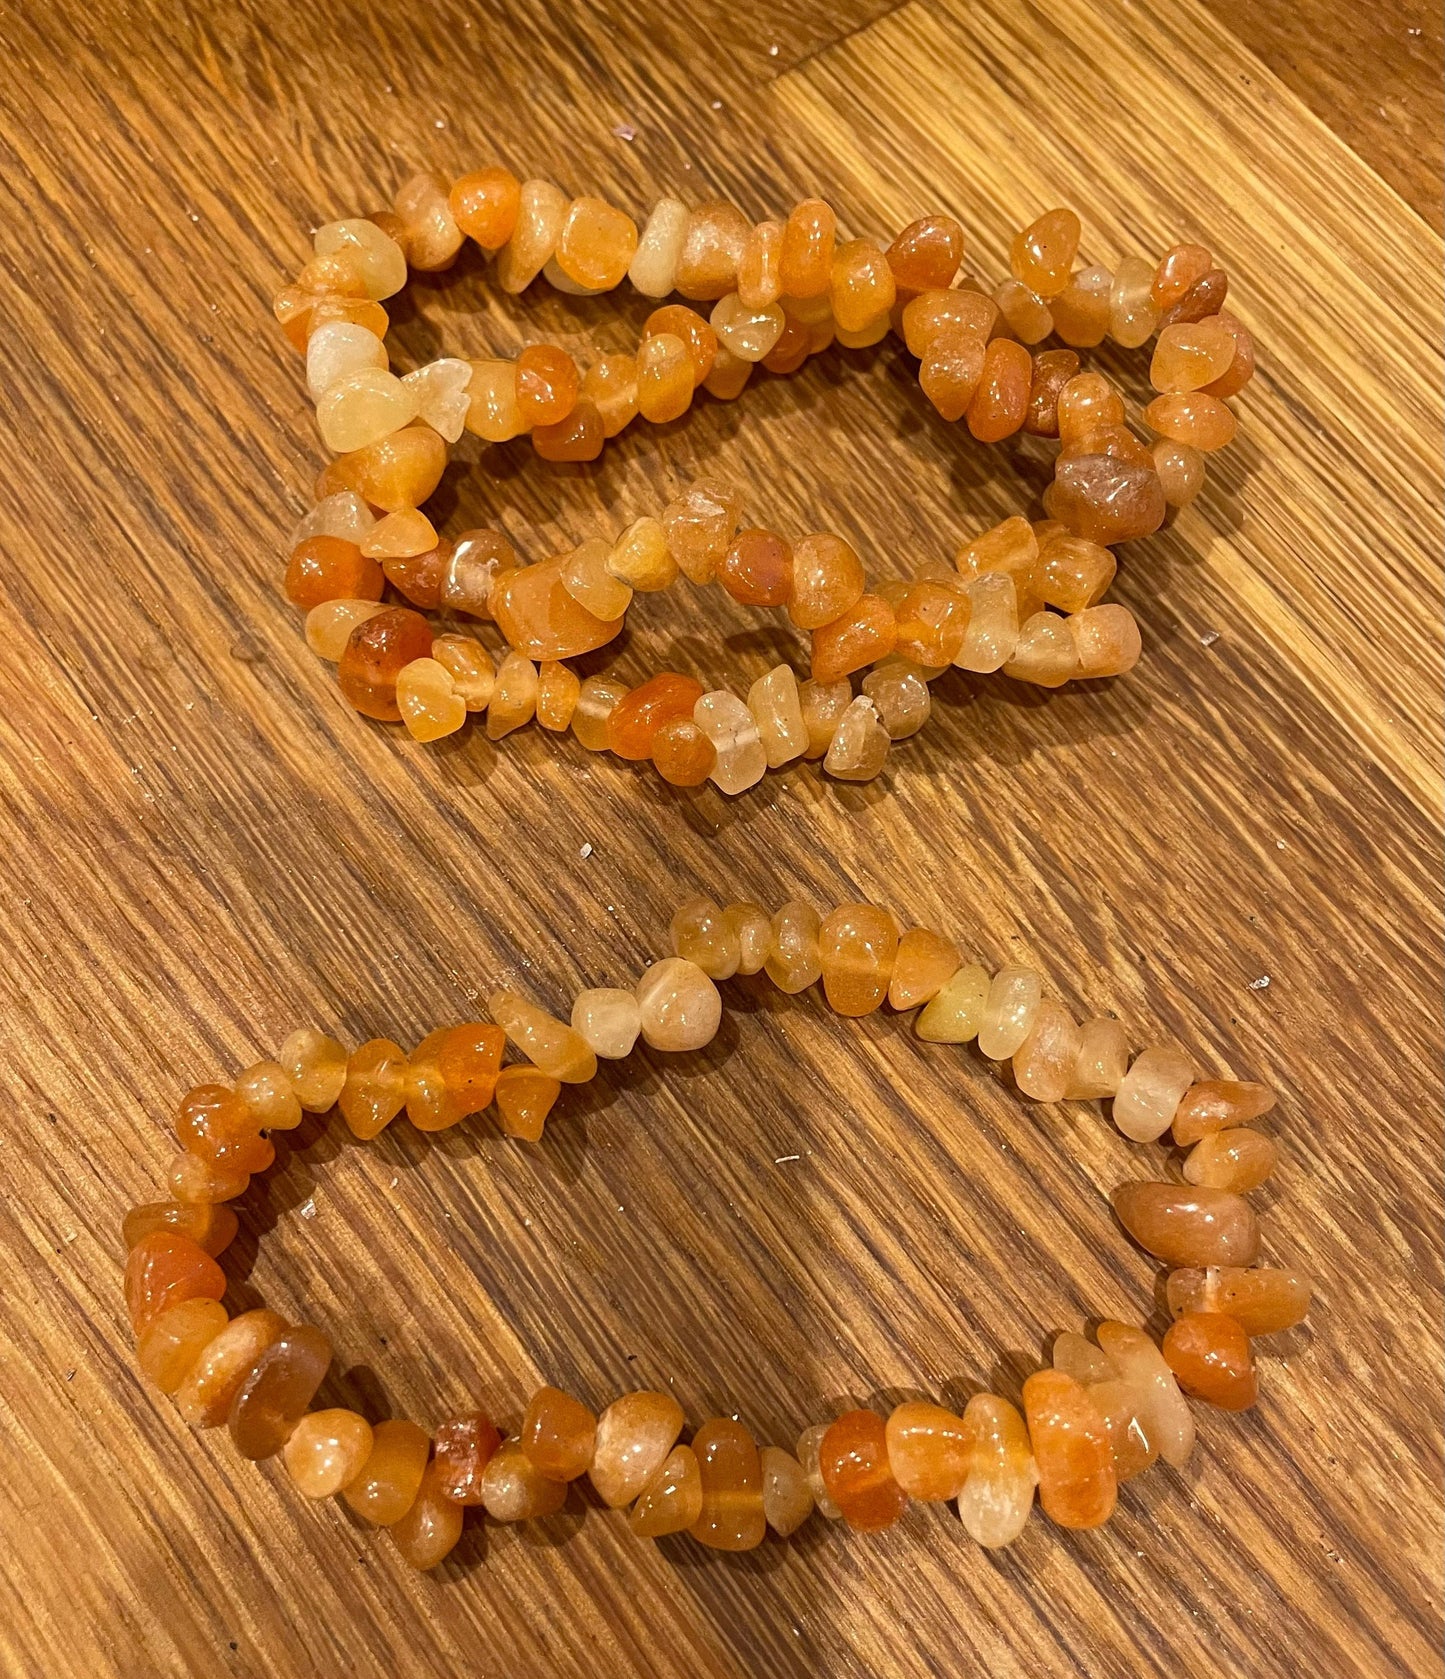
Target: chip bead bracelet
782, 291
1102, 1413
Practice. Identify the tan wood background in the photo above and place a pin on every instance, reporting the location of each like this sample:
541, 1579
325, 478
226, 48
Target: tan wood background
202, 846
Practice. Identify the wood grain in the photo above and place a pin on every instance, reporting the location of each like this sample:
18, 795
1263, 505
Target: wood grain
204, 847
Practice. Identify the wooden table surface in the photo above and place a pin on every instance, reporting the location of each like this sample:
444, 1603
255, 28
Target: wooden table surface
204, 847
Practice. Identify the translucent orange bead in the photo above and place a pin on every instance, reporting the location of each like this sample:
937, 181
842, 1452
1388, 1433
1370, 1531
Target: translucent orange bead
867, 632
547, 385
1073, 573
1237, 1160
275, 1395
557, 693
376, 654
778, 711
452, 1073
806, 263
998, 406
431, 1527
326, 568
209, 1388
929, 1450
1105, 499
926, 254
696, 334
859, 747
428, 701
1210, 1355
430, 235
998, 1492
1149, 1094
1014, 995
1185, 1225
898, 690
1260, 1301
1081, 310
731, 1517
853, 1460
558, 1434
1106, 640
671, 1502
861, 284
701, 933
932, 618
541, 210
1190, 355
752, 927
665, 380
327, 1451
1193, 418
1241, 369
954, 365
579, 437
1044, 1062
787, 1497
683, 754
1216, 1104
935, 312
1180, 269
375, 1087
858, 947
165, 1268
635, 1434
484, 205
1053, 370
463, 1447
417, 575
794, 959
955, 1013
329, 626
469, 665
1204, 298
1029, 318
659, 249
524, 1097
1163, 1410
547, 1042
214, 1123
610, 386
640, 557
1102, 1061
398, 472
542, 619
1087, 402
1077, 1484
1045, 653
828, 580
712, 247
190, 1178
269, 1093
389, 1479
1042, 254
587, 576
1011, 549
597, 244
730, 373
632, 727
760, 282
1182, 471
823, 705
515, 1490
169, 1346
596, 698
211, 1226
757, 569
678, 1005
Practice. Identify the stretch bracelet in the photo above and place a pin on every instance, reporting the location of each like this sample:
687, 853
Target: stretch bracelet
1102, 1413
780, 292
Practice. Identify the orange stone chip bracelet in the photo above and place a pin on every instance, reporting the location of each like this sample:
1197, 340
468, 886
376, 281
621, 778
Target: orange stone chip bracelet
1103, 1412
1023, 597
